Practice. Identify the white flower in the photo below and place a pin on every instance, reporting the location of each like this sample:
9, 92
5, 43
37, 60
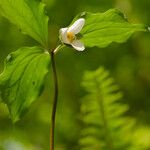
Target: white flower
68, 35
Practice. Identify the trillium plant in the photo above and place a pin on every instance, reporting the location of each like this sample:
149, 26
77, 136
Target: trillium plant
21, 81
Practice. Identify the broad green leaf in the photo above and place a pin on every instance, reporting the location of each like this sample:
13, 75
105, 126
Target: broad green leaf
28, 15
21, 82
101, 29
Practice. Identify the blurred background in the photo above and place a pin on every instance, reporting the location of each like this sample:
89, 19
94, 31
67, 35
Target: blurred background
128, 64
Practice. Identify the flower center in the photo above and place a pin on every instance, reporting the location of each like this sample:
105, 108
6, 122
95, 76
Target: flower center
71, 36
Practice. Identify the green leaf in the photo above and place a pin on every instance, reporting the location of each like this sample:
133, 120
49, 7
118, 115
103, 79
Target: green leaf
104, 126
22, 79
101, 29
28, 15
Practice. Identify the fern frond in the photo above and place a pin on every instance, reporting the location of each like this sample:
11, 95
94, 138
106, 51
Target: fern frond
105, 126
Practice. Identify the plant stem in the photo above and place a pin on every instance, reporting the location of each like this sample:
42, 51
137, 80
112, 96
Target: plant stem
52, 129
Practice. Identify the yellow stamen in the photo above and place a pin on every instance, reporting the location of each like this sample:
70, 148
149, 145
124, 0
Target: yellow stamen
70, 36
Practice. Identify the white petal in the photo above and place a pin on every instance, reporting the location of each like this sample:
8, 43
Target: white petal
77, 26
78, 45
63, 35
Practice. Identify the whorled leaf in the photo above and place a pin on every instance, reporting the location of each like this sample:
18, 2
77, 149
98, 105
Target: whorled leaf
101, 29
21, 82
28, 15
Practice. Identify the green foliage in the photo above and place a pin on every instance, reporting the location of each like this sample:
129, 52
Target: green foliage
101, 29
28, 15
104, 125
22, 79
129, 64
